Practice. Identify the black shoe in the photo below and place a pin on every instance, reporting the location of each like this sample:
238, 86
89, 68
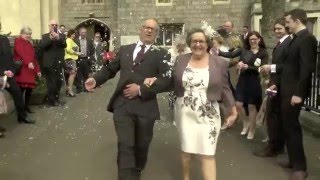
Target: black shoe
27, 120
50, 103
78, 91
298, 175
60, 102
283, 161
28, 110
268, 151
2, 129
138, 172
2, 135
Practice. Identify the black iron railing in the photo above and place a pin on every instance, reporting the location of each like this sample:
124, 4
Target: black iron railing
313, 102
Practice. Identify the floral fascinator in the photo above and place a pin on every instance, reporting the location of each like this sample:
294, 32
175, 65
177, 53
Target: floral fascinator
208, 29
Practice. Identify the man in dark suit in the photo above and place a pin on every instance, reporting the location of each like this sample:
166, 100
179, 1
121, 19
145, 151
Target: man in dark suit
51, 51
8, 68
245, 31
98, 51
135, 106
86, 59
295, 85
274, 122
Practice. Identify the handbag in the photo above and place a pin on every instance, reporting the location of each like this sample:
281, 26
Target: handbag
17, 66
3, 82
6, 102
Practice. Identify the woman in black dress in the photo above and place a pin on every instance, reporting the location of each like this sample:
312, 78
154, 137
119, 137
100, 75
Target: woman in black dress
248, 89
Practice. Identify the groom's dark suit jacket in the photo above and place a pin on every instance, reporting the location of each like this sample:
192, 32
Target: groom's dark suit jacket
154, 64
278, 55
299, 65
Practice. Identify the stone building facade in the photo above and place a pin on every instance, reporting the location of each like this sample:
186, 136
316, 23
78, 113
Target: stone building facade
124, 17
119, 20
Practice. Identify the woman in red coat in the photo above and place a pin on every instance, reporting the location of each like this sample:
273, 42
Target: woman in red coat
26, 77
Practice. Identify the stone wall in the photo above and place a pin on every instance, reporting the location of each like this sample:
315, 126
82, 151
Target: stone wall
189, 12
125, 16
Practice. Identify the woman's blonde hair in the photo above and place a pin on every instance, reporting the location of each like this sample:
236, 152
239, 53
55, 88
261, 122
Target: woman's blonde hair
234, 42
219, 39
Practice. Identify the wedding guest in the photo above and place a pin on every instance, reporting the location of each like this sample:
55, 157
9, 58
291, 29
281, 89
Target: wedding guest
51, 50
217, 43
26, 77
7, 68
200, 82
179, 47
71, 56
248, 89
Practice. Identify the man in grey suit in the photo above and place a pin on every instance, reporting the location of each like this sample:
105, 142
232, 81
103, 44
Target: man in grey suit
86, 59
134, 105
98, 50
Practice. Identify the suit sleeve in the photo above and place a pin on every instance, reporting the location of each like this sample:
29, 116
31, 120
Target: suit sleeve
7, 54
227, 96
164, 78
110, 71
231, 54
61, 42
45, 42
307, 62
92, 50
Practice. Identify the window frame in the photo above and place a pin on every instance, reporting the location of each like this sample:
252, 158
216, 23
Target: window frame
177, 27
163, 4
95, 2
220, 2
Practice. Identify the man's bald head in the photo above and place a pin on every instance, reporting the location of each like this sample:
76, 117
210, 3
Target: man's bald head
228, 25
53, 23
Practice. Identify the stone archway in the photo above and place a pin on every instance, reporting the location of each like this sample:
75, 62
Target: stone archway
94, 25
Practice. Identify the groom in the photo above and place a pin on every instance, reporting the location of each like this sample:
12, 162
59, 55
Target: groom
135, 106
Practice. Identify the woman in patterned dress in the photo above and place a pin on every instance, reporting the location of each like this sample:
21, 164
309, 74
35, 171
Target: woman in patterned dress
200, 83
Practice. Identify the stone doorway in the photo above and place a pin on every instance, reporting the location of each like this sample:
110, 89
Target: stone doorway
94, 25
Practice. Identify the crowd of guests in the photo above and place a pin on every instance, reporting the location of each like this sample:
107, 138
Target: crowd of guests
61, 56
196, 72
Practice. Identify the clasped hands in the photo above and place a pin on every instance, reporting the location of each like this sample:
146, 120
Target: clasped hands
242, 65
54, 35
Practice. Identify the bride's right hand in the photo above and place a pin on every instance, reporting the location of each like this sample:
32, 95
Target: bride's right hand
149, 81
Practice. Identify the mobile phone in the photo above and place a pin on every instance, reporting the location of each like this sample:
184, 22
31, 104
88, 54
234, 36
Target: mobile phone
271, 93
55, 29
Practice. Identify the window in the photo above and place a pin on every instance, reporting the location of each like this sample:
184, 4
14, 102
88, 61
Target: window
163, 2
221, 1
168, 33
311, 24
92, 1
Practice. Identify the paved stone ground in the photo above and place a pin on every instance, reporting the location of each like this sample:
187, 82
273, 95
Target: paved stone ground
78, 142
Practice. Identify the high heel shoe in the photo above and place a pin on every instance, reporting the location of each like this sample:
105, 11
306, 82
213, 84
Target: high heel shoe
250, 135
2, 135
70, 93
244, 131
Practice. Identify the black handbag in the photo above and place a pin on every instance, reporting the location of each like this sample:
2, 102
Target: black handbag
18, 66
